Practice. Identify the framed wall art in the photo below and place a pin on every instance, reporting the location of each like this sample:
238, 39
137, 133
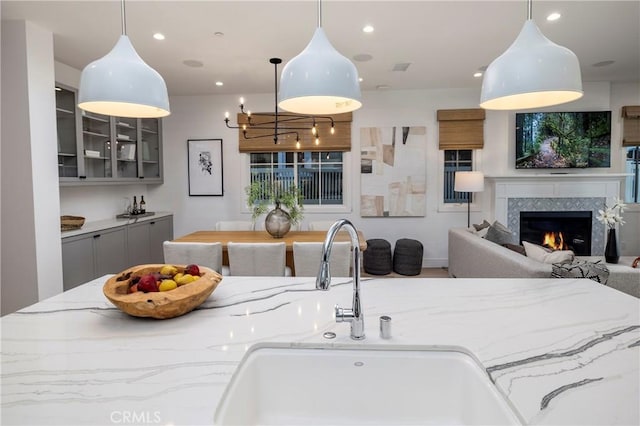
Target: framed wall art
205, 167
393, 171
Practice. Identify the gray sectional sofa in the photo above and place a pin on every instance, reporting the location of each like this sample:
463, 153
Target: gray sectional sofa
471, 256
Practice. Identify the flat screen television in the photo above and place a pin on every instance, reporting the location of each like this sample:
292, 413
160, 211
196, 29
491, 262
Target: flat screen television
562, 140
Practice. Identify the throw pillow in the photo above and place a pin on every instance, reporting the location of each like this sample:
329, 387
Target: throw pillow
499, 234
544, 255
516, 248
595, 271
483, 232
481, 226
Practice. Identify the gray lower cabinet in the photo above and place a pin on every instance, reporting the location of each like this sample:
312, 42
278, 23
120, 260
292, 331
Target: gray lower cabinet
145, 240
88, 256
109, 251
160, 230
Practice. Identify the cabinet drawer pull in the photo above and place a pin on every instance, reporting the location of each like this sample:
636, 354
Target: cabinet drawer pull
152, 223
82, 177
96, 236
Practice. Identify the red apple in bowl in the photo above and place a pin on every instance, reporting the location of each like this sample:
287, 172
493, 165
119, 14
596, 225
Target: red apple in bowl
192, 270
148, 283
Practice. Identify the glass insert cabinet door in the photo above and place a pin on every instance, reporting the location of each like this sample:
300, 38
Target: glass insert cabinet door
67, 136
96, 139
150, 147
126, 136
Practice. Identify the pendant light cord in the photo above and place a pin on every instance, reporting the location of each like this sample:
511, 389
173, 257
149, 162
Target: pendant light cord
124, 21
319, 13
275, 79
529, 10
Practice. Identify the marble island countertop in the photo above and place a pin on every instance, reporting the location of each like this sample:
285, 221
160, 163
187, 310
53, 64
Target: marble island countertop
562, 351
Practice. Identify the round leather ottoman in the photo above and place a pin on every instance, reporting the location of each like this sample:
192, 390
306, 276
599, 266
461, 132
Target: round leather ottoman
377, 257
407, 257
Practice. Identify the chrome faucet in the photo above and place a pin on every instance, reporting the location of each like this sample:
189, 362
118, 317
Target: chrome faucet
323, 281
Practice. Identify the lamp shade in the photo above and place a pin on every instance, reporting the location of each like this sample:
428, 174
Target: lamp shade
469, 182
533, 72
319, 80
123, 85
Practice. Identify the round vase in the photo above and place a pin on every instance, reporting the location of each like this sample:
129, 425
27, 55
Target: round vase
611, 254
278, 222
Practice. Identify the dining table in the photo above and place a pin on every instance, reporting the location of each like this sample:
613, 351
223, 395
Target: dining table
263, 236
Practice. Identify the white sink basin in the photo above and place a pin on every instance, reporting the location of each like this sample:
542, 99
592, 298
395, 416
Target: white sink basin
373, 386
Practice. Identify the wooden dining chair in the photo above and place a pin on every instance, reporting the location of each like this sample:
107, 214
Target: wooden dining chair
321, 225
203, 254
307, 257
257, 259
234, 225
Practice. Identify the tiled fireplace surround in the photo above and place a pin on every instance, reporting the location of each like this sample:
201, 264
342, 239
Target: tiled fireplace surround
555, 192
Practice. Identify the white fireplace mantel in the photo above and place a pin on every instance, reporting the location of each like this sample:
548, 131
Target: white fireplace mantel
547, 185
537, 192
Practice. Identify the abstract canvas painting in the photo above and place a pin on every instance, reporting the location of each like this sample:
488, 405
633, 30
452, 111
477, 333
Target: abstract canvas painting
393, 171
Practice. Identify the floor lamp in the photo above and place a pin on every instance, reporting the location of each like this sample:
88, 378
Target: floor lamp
469, 182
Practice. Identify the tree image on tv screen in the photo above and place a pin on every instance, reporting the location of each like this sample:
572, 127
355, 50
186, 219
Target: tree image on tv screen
563, 140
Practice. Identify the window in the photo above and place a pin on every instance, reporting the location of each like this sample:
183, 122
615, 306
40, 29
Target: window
319, 175
632, 166
455, 160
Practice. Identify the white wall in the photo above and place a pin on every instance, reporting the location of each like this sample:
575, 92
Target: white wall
31, 253
200, 117
629, 235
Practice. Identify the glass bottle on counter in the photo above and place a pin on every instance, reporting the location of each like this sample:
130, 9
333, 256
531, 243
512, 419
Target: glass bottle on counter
134, 209
143, 205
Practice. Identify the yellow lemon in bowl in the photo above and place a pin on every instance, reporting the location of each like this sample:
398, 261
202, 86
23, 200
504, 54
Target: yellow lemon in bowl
167, 285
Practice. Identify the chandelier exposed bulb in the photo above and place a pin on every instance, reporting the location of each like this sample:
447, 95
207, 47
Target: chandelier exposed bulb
278, 125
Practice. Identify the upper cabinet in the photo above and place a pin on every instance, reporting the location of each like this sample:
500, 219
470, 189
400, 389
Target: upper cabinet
96, 146
66, 119
100, 149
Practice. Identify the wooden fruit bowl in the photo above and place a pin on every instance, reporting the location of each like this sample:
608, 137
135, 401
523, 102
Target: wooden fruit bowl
162, 304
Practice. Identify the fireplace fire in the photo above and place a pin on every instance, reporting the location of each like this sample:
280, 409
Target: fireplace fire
554, 241
558, 230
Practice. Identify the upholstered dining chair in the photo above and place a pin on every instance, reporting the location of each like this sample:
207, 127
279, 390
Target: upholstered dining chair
234, 225
321, 225
204, 254
307, 256
257, 259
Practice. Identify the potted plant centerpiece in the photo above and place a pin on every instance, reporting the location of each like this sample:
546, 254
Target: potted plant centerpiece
287, 200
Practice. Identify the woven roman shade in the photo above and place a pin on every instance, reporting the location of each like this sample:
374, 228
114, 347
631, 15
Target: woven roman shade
339, 141
461, 128
631, 125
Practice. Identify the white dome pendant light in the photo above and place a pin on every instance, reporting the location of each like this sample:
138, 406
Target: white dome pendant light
533, 72
122, 84
319, 80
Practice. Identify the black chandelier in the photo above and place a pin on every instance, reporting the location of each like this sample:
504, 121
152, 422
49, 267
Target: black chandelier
280, 123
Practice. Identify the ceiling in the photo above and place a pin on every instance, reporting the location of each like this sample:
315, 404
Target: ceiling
444, 42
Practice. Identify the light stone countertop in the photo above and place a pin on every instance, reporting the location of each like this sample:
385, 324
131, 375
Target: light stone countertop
99, 225
563, 351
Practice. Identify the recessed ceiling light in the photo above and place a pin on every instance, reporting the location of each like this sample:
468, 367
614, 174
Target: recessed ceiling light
553, 16
367, 29
362, 57
360, 79
158, 36
193, 63
383, 87
477, 74
218, 34
219, 83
